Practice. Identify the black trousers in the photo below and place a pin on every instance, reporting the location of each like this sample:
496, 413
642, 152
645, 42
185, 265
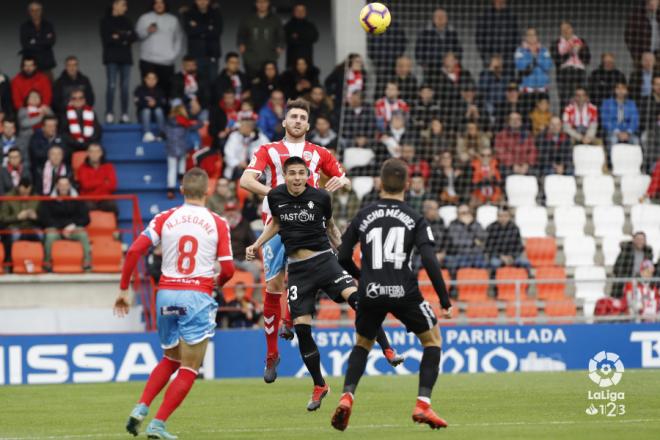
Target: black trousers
165, 74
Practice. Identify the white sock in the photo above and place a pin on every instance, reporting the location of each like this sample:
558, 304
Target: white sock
426, 400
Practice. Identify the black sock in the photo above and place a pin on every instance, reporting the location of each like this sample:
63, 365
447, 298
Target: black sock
381, 338
428, 370
357, 362
309, 352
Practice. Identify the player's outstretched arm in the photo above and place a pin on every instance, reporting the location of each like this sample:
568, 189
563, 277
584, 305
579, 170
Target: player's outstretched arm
432, 266
137, 250
269, 232
249, 182
336, 183
333, 233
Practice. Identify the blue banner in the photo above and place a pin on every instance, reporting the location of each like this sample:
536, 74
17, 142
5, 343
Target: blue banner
240, 353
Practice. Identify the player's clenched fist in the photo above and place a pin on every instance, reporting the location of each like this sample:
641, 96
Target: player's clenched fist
446, 313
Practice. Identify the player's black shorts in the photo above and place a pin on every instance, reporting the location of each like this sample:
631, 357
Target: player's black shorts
307, 277
415, 313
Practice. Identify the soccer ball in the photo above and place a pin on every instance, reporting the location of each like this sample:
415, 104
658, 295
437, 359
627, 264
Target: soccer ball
375, 18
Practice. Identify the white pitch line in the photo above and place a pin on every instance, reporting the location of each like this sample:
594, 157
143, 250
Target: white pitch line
352, 428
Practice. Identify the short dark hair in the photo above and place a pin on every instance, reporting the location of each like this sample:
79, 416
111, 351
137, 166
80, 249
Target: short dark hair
25, 182
189, 58
71, 58
195, 183
27, 58
294, 160
9, 120
298, 103
231, 55
394, 175
49, 118
13, 149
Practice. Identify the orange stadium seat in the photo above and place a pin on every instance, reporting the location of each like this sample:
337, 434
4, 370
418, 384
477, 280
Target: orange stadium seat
102, 224
472, 292
77, 159
357, 255
547, 292
528, 309
485, 309
67, 256
2, 259
560, 308
426, 287
328, 310
106, 255
240, 277
27, 256
541, 251
507, 292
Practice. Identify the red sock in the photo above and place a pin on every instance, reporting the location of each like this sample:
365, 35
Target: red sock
158, 379
176, 392
272, 316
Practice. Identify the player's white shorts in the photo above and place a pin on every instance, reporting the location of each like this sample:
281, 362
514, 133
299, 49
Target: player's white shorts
185, 314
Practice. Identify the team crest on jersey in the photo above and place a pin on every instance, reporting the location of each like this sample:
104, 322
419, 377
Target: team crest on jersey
310, 204
307, 156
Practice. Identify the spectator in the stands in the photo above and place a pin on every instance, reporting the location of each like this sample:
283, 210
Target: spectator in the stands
447, 182
620, 118
416, 193
230, 107
54, 168
555, 150
241, 237
510, 104
431, 213
469, 109
504, 245
78, 123
540, 117
492, 87
384, 49
604, 78
465, 242
179, 137
38, 38
30, 118
8, 139
640, 81
424, 109
231, 78
241, 145
386, 106
403, 77
642, 32
416, 166
6, 105
150, 104
514, 148
222, 194
470, 142
571, 56
434, 42
192, 87
372, 195
358, 118
27, 80
64, 219
649, 111
41, 141
433, 139
13, 171
118, 35
203, 25
346, 79
97, 177
653, 191
320, 104
630, 259
240, 311
345, 206
580, 119
264, 83
299, 79
20, 216
323, 134
396, 135
486, 179
161, 41
301, 34
447, 83
497, 32
260, 37
533, 65
271, 116
642, 295
71, 79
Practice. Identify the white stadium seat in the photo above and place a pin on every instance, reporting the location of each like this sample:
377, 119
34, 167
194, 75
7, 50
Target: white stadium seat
569, 221
634, 187
448, 214
521, 190
362, 185
611, 247
590, 284
653, 240
645, 218
588, 160
608, 221
559, 190
486, 215
532, 221
357, 157
579, 251
626, 159
598, 190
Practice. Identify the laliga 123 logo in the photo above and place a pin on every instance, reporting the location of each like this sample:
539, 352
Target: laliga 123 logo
606, 370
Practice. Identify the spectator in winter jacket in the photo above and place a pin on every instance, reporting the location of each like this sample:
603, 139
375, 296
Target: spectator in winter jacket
117, 36
46, 177
386, 106
14, 170
514, 148
323, 134
41, 141
70, 79
403, 77
7, 139
620, 118
629, 260
555, 150
223, 194
264, 84
271, 116
533, 64
642, 296
604, 78
416, 166
384, 49
180, 132
448, 183
424, 110
203, 24
345, 206
260, 38
448, 83
20, 216
6, 105
504, 245
571, 56
358, 118
231, 78
38, 38
435, 42
346, 79
511, 104
497, 32
465, 242
161, 41
150, 103
30, 117
580, 119
640, 81
241, 237
492, 87
539, 118
65, 220
641, 32
299, 79
191, 86
469, 143
79, 124
301, 34
486, 179
28, 79
241, 145
96, 177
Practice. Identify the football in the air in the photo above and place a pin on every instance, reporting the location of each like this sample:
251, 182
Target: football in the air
375, 18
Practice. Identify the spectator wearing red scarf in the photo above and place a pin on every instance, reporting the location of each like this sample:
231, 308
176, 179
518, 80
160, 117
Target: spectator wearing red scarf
79, 124
96, 177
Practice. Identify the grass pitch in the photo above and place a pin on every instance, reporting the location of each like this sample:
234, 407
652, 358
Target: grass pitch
493, 406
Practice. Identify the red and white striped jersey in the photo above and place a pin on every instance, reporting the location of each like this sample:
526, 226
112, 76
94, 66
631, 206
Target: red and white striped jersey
193, 239
580, 117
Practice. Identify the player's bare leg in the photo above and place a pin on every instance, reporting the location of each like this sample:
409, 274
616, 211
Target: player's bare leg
312, 359
428, 374
191, 360
158, 378
357, 362
272, 316
392, 357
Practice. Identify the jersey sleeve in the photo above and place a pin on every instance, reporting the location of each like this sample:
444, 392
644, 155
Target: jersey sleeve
329, 165
272, 203
155, 228
327, 204
224, 240
423, 234
259, 161
348, 242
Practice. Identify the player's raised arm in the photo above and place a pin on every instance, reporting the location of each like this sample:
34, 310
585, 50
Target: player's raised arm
269, 232
333, 169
